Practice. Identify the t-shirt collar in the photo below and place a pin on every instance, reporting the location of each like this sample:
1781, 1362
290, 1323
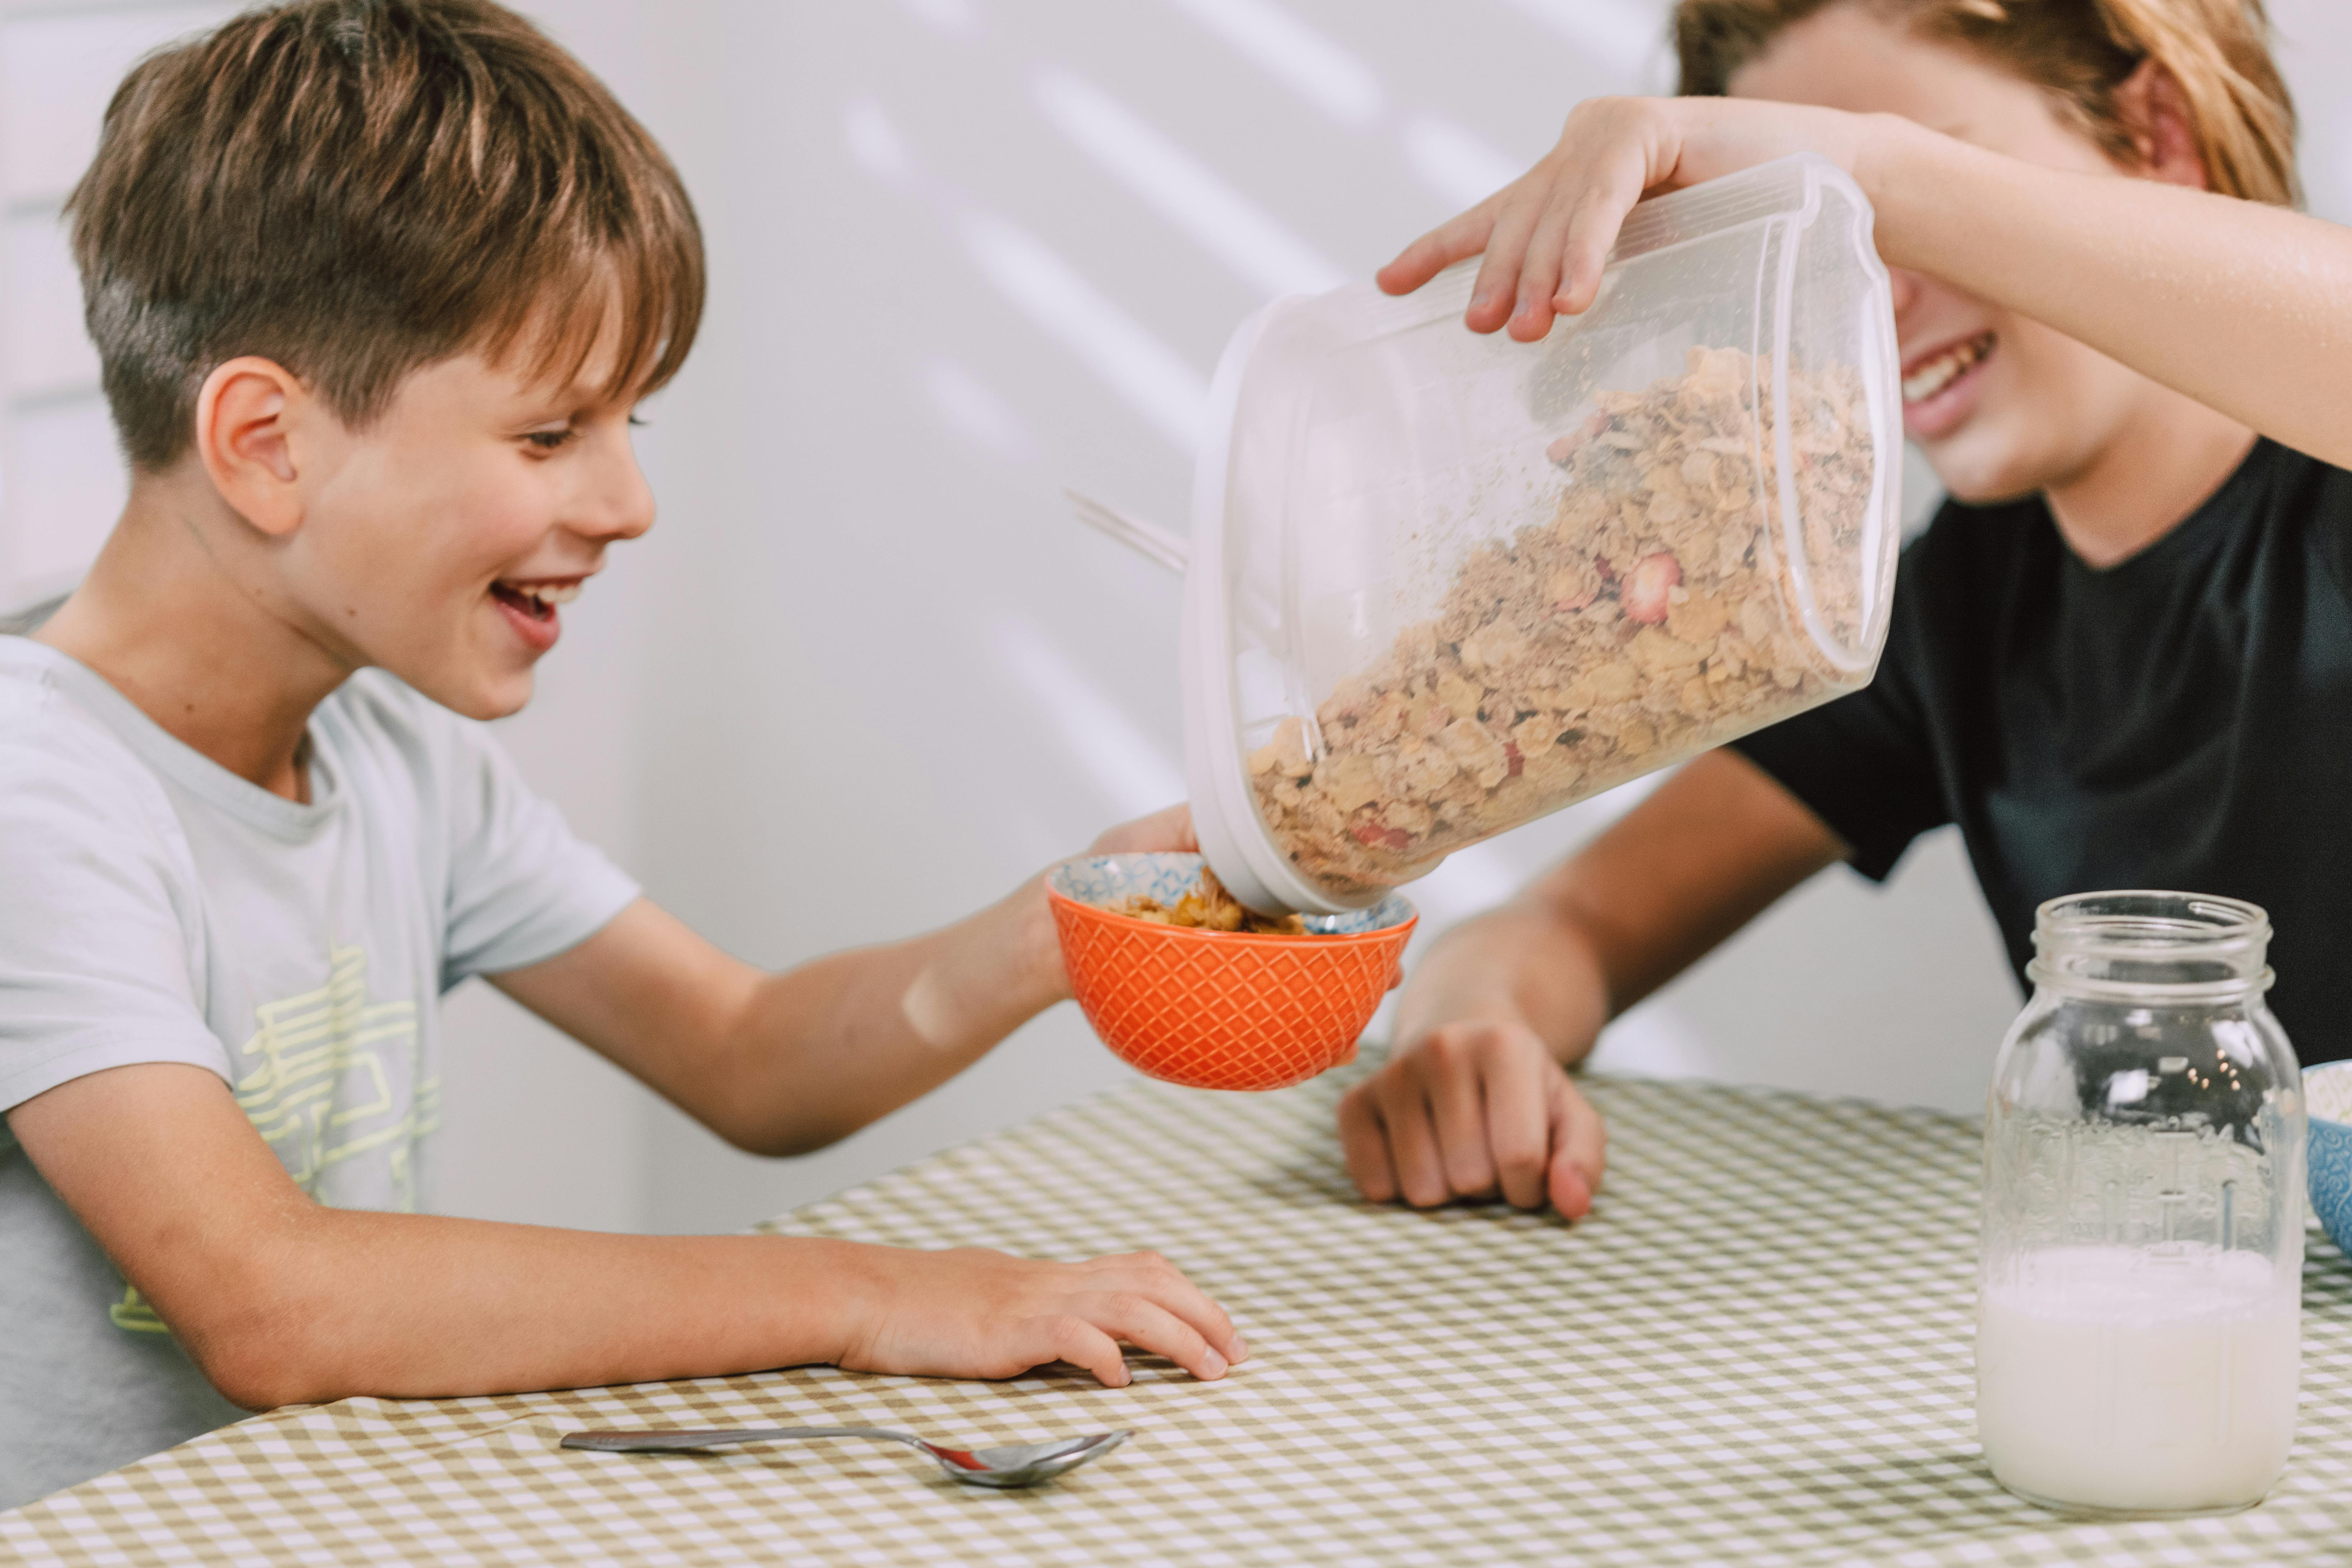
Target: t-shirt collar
2219, 511
168, 754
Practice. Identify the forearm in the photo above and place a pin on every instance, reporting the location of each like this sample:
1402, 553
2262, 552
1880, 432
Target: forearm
780, 1064
333, 1303
282, 1301
1711, 849
822, 1051
1571, 953
2244, 307
1520, 964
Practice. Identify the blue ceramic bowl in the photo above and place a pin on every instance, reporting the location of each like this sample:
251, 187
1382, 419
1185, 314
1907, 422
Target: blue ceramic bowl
2328, 1090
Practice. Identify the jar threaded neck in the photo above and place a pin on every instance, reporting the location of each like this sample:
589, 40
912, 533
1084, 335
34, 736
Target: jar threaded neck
2152, 945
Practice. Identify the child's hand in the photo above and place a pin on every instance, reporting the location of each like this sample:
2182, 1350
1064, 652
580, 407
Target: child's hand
972, 1312
1475, 1108
1547, 234
1166, 831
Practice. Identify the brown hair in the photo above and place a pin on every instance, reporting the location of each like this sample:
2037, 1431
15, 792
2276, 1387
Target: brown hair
358, 188
2081, 52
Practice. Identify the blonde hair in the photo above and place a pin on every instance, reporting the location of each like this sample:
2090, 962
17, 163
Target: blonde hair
2081, 52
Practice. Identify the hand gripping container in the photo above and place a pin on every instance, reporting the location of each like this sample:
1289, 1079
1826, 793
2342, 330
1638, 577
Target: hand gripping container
1442, 583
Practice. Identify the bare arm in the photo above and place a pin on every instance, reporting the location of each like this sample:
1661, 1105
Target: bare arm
282, 1300
1475, 1101
2244, 308
780, 1064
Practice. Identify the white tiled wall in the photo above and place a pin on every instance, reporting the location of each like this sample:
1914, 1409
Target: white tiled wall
61, 479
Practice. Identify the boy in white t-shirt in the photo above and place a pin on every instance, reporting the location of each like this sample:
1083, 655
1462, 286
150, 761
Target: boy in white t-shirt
375, 286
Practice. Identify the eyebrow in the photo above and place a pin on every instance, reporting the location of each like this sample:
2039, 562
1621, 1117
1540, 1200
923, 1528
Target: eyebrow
571, 401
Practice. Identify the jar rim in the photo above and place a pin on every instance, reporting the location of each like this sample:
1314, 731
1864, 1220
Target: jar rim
2152, 946
2142, 924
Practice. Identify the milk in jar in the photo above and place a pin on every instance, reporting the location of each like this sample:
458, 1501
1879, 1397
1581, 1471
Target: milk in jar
2107, 1378
2140, 1269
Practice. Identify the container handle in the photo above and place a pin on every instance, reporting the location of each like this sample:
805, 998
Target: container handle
1146, 538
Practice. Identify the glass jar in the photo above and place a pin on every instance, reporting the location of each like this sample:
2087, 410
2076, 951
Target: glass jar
1442, 583
2140, 1280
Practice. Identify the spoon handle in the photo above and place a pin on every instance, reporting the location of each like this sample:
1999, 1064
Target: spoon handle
686, 1440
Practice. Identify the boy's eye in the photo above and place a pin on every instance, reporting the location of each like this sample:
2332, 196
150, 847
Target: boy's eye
550, 440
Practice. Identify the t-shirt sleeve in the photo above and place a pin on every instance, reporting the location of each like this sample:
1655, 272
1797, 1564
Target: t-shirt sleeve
521, 886
100, 952
1866, 764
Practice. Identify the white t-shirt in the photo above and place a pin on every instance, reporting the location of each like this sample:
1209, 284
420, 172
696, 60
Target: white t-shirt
156, 908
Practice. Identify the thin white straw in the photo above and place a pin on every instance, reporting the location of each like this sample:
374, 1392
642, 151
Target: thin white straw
1145, 538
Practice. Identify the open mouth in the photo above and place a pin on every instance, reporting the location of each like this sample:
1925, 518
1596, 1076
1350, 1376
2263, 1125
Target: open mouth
1923, 381
529, 607
535, 600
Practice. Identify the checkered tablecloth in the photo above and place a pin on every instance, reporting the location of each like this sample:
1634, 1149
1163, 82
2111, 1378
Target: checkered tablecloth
1756, 1350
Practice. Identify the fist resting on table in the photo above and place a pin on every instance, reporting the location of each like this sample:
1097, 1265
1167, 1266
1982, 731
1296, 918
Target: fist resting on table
1475, 1103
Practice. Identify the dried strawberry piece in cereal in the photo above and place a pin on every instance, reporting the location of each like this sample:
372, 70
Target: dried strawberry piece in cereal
1646, 589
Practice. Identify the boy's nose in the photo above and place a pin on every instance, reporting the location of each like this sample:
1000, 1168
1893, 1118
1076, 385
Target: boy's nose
618, 504
1903, 287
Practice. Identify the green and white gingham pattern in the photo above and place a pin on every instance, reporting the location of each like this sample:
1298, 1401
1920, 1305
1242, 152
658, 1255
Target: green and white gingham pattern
1757, 1351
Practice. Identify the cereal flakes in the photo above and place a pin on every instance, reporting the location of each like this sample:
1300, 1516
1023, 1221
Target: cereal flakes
1650, 619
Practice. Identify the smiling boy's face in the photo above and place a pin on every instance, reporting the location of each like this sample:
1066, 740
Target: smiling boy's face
2001, 404
440, 540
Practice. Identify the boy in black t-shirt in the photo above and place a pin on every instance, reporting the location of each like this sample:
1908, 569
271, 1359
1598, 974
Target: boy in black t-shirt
2120, 657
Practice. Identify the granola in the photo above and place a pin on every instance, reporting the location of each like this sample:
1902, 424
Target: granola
1210, 907
1651, 617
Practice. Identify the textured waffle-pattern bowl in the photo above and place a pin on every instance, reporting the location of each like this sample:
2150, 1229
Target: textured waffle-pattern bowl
2328, 1092
1219, 1009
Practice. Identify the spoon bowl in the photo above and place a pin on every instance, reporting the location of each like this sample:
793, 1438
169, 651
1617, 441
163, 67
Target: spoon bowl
1009, 1464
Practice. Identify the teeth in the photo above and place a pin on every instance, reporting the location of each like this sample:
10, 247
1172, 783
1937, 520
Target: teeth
547, 594
1933, 378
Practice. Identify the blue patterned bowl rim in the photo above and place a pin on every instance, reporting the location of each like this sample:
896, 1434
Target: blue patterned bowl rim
1102, 880
2330, 1154
2330, 1071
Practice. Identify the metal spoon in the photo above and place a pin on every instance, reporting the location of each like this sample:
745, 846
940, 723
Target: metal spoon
1012, 1465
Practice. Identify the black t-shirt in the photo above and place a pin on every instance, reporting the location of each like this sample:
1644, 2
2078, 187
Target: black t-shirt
2182, 720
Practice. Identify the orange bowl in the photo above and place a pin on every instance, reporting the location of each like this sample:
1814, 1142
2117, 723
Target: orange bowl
1219, 1009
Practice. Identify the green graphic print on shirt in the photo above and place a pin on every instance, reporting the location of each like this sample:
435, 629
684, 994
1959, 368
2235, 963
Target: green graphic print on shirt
317, 1082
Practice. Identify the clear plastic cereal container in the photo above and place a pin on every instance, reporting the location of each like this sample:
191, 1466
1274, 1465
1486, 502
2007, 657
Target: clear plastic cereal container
1441, 583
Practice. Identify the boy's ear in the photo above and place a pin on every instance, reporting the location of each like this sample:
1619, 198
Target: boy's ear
2157, 110
246, 416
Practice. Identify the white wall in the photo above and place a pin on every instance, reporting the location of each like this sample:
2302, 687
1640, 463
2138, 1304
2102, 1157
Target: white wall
893, 678
60, 483
866, 674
